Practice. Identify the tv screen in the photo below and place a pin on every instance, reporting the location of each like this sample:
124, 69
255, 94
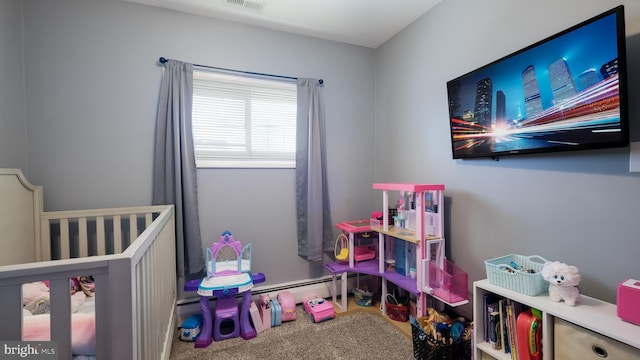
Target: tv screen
566, 92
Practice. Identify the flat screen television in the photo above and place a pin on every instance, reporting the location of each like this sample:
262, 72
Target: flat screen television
566, 92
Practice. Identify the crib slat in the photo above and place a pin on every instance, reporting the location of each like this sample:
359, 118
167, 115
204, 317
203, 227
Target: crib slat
45, 239
83, 250
100, 236
61, 316
148, 219
148, 326
117, 234
121, 300
10, 312
158, 288
133, 228
103, 317
139, 304
153, 300
64, 239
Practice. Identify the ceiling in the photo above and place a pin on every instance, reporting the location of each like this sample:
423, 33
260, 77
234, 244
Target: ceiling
359, 22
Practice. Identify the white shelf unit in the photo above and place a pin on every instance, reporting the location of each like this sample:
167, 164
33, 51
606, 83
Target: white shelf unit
426, 244
589, 313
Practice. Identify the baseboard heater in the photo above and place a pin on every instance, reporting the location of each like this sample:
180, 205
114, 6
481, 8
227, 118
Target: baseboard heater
299, 290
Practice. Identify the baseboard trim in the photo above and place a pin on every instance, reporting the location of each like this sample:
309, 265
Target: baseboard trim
299, 290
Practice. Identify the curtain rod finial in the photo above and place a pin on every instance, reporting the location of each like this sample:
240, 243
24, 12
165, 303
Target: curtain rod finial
321, 81
162, 60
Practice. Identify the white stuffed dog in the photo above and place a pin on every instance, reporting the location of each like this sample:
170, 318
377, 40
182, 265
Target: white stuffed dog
563, 281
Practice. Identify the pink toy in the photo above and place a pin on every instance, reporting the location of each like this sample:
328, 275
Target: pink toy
264, 308
360, 252
363, 252
256, 320
319, 309
288, 306
628, 297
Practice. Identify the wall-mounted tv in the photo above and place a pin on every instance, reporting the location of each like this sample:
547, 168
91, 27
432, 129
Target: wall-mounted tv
566, 92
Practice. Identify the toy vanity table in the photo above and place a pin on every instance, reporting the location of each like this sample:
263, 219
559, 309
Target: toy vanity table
228, 274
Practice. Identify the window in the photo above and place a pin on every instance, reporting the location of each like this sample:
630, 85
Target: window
241, 121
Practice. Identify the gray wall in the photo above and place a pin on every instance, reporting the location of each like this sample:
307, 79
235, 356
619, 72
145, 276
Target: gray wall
580, 208
13, 136
92, 84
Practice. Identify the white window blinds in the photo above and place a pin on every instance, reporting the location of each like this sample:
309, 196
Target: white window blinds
241, 121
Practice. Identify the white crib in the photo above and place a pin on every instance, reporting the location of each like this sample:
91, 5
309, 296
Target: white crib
130, 252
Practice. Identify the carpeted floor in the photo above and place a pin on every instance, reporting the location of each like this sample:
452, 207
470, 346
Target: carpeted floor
354, 336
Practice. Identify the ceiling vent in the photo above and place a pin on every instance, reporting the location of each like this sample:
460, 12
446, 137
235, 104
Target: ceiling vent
253, 5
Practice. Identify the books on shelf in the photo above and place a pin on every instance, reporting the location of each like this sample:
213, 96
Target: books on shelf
506, 341
495, 331
500, 315
490, 302
512, 331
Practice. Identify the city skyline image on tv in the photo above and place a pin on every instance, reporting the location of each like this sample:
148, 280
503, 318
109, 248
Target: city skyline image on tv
563, 93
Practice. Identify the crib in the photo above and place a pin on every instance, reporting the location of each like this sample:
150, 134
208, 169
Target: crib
129, 252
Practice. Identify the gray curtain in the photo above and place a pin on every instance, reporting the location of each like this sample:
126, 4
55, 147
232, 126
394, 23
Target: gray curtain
315, 234
174, 178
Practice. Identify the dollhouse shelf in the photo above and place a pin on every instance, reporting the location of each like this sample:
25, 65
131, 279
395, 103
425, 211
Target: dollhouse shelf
404, 234
370, 267
425, 233
424, 212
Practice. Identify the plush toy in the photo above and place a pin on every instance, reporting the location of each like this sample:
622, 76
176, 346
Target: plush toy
563, 281
33, 291
36, 298
265, 301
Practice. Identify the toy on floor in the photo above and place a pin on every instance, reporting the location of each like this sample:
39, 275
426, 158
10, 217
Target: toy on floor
256, 320
563, 281
228, 266
319, 309
264, 307
363, 297
276, 313
273, 312
190, 328
288, 306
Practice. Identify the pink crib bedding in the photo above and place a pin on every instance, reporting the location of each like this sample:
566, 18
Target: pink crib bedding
83, 331
38, 327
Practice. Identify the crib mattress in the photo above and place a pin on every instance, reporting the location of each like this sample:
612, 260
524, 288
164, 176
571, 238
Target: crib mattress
83, 333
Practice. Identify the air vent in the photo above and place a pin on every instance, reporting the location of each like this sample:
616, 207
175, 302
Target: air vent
253, 5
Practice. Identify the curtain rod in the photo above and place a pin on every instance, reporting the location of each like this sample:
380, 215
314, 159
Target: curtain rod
163, 60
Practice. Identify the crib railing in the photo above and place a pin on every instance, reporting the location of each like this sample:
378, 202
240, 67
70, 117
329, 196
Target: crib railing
82, 233
154, 299
132, 259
